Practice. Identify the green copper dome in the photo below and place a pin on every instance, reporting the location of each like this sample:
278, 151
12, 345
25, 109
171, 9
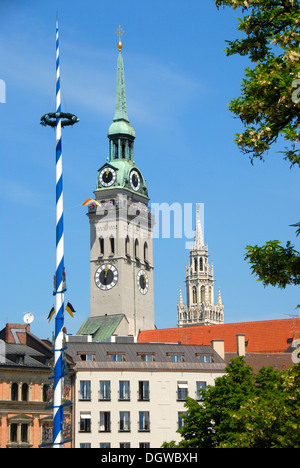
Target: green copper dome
121, 127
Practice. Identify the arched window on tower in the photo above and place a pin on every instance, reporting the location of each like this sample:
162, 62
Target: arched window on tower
201, 264
194, 295
112, 245
101, 244
136, 249
195, 265
127, 246
202, 293
116, 150
145, 252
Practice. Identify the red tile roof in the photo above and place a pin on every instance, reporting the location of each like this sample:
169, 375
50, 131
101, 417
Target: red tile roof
268, 336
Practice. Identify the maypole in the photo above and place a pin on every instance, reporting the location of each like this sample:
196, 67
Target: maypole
59, 283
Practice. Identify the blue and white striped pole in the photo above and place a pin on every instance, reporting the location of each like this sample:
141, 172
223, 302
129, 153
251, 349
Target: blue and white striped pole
60, 285
55, 119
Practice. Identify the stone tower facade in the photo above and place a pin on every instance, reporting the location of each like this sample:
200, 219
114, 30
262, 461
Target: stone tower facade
121, 254
200, 308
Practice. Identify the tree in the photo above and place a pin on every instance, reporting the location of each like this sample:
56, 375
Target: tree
269, 106
245, 410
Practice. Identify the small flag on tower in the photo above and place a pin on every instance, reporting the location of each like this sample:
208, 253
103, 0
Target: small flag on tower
51, 313
70, 309
89, 201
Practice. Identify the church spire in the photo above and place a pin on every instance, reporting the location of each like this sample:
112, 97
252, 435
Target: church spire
120, 133
121, 107
198, 238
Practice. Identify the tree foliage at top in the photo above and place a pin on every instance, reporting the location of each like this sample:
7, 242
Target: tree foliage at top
269, 105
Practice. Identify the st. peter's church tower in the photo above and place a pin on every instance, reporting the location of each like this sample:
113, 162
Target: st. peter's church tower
121, 255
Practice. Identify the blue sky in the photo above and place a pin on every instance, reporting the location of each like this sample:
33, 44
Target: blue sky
178, 85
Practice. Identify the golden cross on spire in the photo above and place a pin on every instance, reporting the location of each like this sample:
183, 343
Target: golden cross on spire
120, 32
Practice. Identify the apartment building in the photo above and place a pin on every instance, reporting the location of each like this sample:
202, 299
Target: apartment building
132, 395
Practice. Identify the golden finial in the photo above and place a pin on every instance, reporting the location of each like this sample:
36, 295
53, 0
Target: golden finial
120, 32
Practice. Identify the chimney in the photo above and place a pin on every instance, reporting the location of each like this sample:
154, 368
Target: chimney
16, 333
218, 346
240, 344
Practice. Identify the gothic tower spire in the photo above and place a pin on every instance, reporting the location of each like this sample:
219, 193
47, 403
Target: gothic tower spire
200, 308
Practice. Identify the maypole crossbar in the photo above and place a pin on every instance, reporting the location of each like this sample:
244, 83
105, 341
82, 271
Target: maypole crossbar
60, 284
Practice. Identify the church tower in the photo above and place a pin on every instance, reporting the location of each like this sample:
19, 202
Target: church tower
121, 255
200, 309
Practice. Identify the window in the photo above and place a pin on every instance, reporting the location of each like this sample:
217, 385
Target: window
20, 359
46, 389
85, 422
87, 357
147, 357
85, 390
204, 358
117, 356
124, 423
144, 445
101, 244
14, 392
25, 392
194, 295
182, 391
104, 445
127, 247
181, 420
145, 252
202, 293
200, 387
24, 432
124, 445
14, 432
177, 357
143, 390
85, 445
124, 390
201, 264
112, 245
104, 391
136, 249
104, 421
144, 421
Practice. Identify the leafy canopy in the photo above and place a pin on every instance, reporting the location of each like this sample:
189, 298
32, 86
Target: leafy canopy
269, 105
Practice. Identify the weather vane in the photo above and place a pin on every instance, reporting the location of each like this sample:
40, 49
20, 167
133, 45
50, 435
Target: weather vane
119, 32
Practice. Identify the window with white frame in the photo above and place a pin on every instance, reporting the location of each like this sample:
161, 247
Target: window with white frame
85, 422
144, 421
105, 423
182, 391
85, 390
124, 423
124, 390
104, 390
200, 387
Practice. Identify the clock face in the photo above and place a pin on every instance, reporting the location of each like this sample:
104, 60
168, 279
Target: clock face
135, 180
106, 277
142, 281
107, 177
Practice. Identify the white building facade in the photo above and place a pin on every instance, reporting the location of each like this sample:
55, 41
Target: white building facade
132, 395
